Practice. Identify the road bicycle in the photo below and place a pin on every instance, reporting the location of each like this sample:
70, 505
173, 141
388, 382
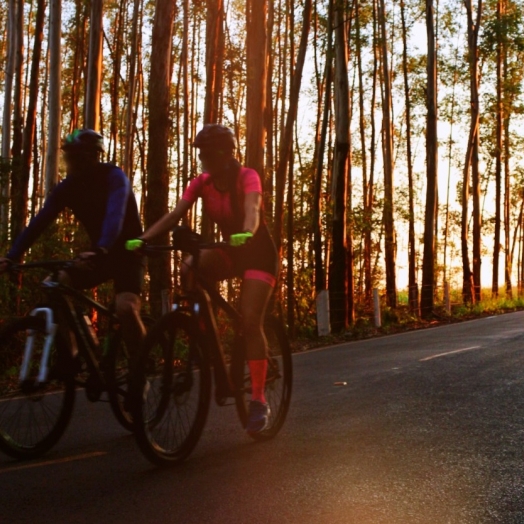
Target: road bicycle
38, 374
172, 383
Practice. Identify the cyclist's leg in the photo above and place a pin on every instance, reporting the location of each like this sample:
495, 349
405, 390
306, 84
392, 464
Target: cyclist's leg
79, 279
128, 275
128, 312
214, 265
257, 289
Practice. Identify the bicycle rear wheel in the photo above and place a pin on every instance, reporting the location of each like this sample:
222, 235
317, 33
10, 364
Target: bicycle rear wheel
279, 379
33, 416
117, 365
170, 391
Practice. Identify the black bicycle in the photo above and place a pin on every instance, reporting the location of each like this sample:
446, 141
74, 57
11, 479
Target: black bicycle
171, 387
39, 376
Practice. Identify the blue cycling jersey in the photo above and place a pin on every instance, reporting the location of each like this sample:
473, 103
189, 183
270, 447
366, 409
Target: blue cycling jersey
102, 201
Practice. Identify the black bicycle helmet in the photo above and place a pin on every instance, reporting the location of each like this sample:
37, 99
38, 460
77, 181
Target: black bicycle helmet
84, 141
215, 135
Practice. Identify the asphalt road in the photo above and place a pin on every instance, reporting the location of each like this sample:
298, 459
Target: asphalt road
429, 429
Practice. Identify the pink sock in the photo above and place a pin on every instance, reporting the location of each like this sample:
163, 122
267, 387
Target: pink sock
258, 370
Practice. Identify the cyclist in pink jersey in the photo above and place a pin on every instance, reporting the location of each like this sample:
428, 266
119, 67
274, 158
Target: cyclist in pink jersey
232, 198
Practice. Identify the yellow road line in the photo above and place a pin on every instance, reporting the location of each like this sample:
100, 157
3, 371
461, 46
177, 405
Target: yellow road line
55, 461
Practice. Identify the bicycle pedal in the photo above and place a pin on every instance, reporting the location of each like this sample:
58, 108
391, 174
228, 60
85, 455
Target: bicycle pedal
93, 389
222, 402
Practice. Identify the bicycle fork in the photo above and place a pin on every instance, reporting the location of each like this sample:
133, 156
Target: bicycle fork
50, 332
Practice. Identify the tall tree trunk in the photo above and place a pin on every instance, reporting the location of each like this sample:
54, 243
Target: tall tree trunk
338, 284
17, 191
21, 183
498, 160
428, 263
269, 117
320, 277
290, 253
6, 119
450, 160
368, 269
8, 85
389, 226
18, 90
412, 260
470, 282
185, 88
256, 83
115, 83
94, 75
214, 58
366, 205
78, 61
507, 105
286, 138
156, 204
130, 118
55, 87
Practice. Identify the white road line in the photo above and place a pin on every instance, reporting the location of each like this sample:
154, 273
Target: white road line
448, 353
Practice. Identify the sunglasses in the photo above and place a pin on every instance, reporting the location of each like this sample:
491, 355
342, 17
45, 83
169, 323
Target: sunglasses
210, 155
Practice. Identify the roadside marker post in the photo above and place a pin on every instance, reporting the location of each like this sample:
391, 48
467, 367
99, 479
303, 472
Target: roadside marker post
376, 303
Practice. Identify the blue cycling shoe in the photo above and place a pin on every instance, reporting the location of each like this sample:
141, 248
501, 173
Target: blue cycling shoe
258, 416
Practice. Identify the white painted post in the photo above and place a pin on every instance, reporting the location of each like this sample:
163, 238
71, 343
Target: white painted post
323, 323
447, 298
376, 303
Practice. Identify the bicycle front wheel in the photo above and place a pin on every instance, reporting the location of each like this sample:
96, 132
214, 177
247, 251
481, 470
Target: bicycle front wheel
170, 391
279, 379
33, 416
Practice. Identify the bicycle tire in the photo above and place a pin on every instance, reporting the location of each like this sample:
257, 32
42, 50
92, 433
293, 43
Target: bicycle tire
116, 372
279, 381
172, 373
58, 392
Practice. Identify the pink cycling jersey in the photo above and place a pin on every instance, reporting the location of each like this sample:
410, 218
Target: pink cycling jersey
218, 204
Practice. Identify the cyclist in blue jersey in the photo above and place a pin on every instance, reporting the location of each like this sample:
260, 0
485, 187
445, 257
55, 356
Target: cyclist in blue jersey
101, 198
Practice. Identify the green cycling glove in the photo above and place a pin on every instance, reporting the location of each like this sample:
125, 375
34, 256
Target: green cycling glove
133, 245
239, 239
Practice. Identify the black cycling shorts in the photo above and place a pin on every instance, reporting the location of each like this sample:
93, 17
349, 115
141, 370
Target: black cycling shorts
257, 260
125, 269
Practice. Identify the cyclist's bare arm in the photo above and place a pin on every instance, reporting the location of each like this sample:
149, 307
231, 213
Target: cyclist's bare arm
167, 222
252, 203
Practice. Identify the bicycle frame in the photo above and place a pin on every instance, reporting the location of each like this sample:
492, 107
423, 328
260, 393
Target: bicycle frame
59, 302
202, 299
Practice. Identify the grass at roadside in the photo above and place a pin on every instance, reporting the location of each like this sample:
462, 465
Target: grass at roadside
400, 319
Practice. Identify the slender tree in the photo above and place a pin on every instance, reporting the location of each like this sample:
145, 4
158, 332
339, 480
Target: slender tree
7, 113
55, 70
471, 279
412, 277
286, 137
338, 283
428, 263
320, 278
256, 83
21, 183
94, 75
214, 59
387, 136
156, 204
131, 91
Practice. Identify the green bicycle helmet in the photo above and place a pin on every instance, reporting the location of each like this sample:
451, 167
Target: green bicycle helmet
84, 141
